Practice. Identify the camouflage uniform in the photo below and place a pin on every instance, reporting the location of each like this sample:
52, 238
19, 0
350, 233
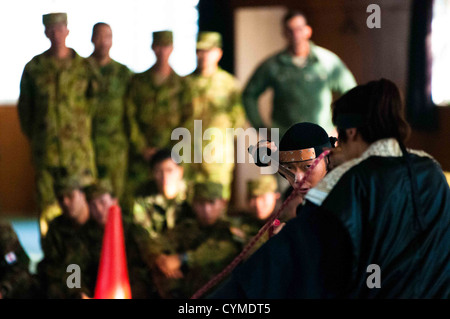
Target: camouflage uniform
56, 116
246, 221
154, 110
108, 126
16, 282
205, 250
216, 101
157, 214
65, 244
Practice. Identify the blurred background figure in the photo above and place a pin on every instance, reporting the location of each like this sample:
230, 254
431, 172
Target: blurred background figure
16, 282
213, 96
101, 199
304, 77
55, 114
108, 124
154, 109
161, 202
198, 248
66, 244
262, 202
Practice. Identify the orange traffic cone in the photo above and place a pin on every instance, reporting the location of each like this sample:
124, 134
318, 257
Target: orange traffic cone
112, 278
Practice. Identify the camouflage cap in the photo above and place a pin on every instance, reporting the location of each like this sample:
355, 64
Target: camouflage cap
207, 40
66, 183
163, 37
207, 191
261, 186
97, 189
52, 18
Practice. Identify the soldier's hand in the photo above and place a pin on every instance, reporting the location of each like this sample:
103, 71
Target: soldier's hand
170, 266
84, 296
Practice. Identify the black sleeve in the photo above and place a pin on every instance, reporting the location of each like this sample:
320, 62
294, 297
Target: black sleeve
309, 258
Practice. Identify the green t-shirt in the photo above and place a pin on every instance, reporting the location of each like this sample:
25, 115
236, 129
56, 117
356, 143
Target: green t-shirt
301, 94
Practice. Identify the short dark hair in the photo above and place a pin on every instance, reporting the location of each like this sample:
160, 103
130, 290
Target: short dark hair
375, 109
98, 25
162, 155
293, 13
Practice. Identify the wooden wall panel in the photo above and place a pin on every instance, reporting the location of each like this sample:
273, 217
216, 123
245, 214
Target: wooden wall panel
17, 195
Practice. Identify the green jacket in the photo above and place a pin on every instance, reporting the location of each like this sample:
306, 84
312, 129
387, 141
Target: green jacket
301, 94
55, 112
157, 214
216, 101
108, 127
206, 251
154, 110
65, 244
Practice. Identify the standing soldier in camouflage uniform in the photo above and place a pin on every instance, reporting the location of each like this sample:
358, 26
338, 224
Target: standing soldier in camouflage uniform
214, 97
65, 243
16, 282
154, 109
197, 249
55, 115
108, 126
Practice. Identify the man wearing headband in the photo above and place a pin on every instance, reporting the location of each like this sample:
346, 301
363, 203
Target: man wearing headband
376, 226
299, 147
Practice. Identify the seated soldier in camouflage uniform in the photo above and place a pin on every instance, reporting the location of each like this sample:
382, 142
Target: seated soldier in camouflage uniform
65, 243
16, 282
197, 249
100, 198
262, 200
162, 201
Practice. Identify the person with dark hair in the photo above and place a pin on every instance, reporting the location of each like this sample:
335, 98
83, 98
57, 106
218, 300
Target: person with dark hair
298, 148
376, 226
161, 202
64, 243
304, 77
108, 128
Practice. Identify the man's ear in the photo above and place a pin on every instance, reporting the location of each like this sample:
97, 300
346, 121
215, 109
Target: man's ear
308, 31
219, 54
351, 133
